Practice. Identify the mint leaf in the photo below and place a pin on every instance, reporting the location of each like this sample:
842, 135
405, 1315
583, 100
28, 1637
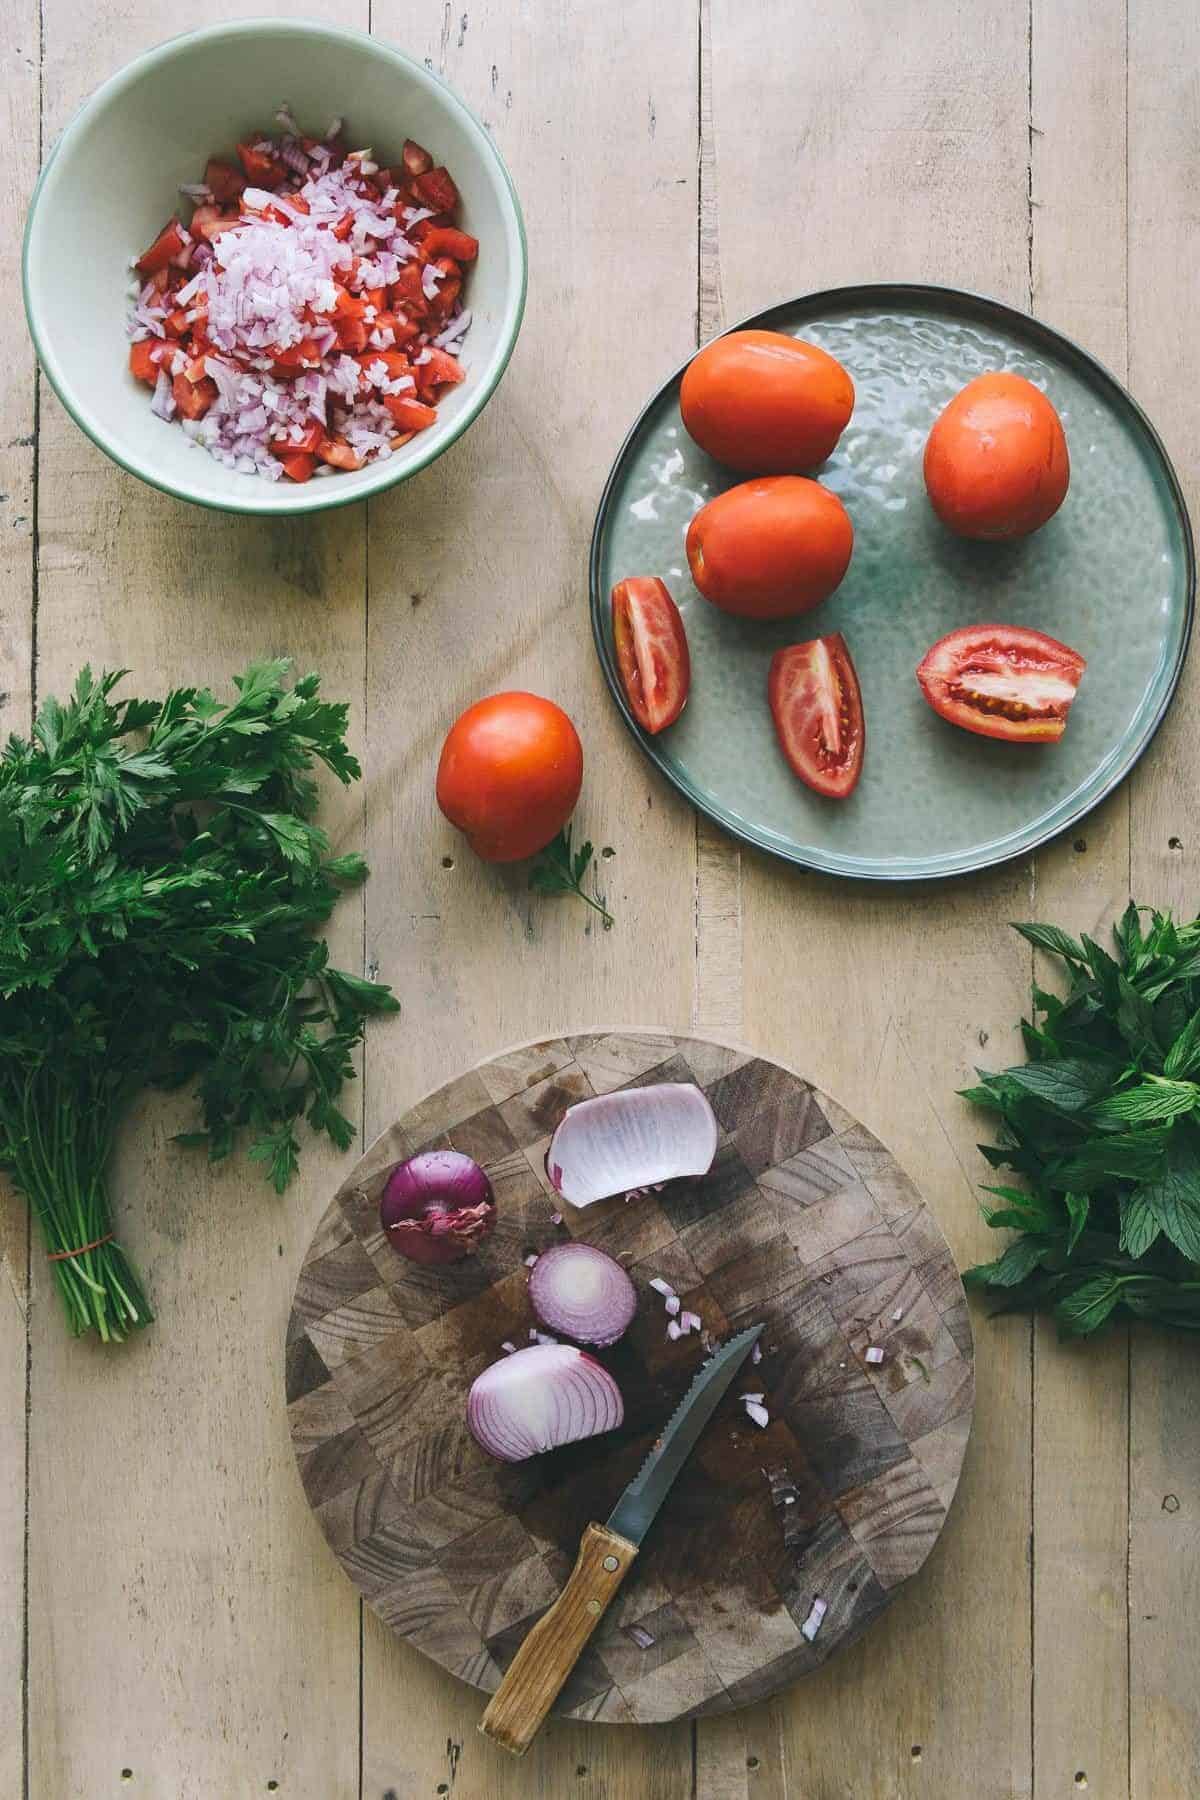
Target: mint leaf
1155, 1099
1078, 1207
1086, 1307
1049, 937
1139, 1224
1068, 1083
1183, 1058
1173, 1200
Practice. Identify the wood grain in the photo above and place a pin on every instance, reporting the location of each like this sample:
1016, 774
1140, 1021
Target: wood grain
171, 1559
1164, 366
834, 143
20, 56
805, 1225
478, 583
1081, 1397
892, 152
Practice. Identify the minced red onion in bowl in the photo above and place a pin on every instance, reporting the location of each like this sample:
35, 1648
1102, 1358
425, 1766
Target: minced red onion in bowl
264, 284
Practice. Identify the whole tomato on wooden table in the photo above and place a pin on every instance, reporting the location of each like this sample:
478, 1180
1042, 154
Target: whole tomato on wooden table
509, 776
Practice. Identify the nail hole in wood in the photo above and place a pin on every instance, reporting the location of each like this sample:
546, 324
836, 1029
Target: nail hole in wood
582, 1769
752, 1762
1081, 1779
1080, 845
1170, 1503
272, 1787
447, 862
915, 1752
608, 853
443, 1787
1174, 843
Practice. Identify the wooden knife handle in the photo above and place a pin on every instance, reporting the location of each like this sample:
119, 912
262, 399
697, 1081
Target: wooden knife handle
551, 1650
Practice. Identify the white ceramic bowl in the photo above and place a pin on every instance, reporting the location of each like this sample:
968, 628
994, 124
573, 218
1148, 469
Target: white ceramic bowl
111, 181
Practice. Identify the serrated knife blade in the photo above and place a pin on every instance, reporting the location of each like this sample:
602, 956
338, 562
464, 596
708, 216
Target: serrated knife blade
634, 1512
556, 1641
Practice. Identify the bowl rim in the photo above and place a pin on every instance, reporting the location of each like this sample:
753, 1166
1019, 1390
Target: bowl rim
327, 495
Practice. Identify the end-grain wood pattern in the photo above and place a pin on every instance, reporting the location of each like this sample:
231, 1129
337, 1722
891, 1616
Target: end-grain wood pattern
804, 1223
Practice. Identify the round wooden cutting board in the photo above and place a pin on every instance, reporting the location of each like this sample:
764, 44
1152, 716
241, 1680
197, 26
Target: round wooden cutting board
805, 1223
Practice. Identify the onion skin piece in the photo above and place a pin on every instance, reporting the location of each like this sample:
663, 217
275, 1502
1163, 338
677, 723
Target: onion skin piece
540, 1398
631, 1139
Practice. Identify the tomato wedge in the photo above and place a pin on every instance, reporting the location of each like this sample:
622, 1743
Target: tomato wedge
652, 651
817, 708
167, 247
1002, 681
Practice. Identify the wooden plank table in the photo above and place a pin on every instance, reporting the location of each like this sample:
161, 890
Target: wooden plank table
171, 1623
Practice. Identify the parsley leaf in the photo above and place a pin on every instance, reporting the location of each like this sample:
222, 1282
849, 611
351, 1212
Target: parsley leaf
560, 870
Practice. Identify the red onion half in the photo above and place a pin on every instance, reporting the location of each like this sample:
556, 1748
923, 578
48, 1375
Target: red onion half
437, 1207
582, 1292
632, 1139
539, 1398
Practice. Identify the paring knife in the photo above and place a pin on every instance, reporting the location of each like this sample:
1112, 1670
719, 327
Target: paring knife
606, 1553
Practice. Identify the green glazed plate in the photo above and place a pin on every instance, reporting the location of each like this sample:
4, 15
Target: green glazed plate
1113, 575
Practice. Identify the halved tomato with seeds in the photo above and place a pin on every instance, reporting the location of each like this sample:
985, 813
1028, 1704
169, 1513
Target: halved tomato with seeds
1002, 681
817, 707
652, 651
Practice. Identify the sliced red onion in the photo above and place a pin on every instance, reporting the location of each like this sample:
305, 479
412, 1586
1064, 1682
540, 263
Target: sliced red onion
437, 1207
641, 1637
758, 1412
672, 1304
674, 1330
874, 1354
756, 1354
631, 1139
662, 1287
690, 1321
539, 1398
583, 1293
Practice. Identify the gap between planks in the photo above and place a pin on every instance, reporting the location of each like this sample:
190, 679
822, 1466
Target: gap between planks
717, 991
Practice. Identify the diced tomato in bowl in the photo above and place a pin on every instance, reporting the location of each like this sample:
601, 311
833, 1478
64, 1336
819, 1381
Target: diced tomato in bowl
309, 316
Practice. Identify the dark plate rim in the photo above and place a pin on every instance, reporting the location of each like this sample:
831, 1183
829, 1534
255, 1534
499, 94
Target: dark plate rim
948, 299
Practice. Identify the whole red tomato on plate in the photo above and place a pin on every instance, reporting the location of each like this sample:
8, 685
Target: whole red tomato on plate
766, 403
770, 548
509, 775
996, 462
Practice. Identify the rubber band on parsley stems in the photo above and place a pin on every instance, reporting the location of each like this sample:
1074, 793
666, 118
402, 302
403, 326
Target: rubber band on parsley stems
1102, 1125
160, 881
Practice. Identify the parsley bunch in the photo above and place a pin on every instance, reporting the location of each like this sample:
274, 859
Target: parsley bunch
1103, 1124
160, 880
